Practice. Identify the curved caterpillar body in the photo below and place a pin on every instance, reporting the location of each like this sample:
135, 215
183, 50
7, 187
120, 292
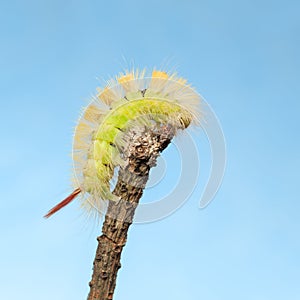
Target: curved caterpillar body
132, 99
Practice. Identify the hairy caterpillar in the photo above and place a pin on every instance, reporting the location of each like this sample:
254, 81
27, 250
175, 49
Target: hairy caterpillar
131, 99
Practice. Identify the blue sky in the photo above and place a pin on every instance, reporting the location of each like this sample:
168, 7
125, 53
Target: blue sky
243, 57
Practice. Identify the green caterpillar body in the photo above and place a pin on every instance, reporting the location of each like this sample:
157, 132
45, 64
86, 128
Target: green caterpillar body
131, 100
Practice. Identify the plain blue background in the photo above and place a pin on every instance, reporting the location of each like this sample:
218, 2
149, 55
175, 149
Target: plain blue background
243, 57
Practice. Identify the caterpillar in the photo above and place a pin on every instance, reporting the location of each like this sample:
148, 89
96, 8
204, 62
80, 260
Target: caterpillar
130, 99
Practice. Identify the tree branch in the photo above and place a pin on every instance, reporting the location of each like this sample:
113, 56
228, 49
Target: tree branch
140, 154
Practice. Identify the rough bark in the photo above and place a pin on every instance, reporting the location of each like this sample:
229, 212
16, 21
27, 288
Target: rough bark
140, 154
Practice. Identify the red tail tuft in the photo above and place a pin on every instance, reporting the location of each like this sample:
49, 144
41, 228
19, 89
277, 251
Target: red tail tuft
63, 203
